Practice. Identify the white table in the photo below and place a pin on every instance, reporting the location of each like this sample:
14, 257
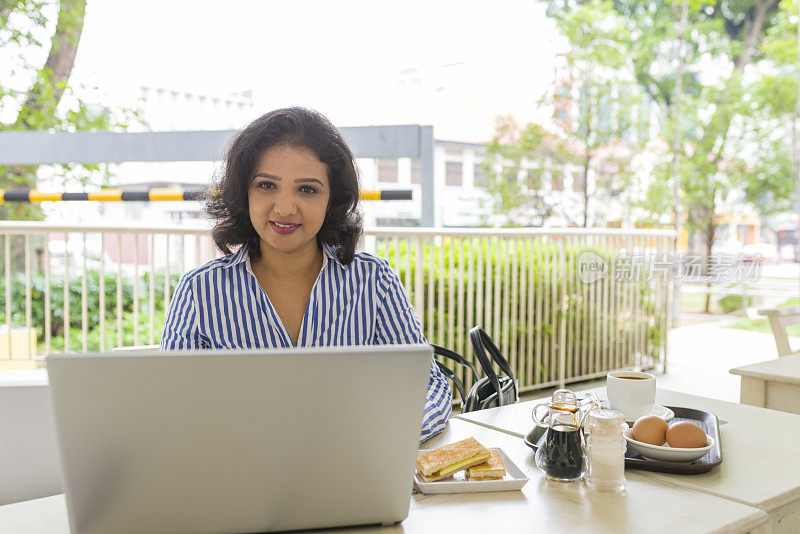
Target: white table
760, 464
648, 505
774, 384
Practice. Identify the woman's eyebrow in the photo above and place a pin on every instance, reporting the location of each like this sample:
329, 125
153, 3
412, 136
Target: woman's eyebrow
305, 180
301, 180
265, 175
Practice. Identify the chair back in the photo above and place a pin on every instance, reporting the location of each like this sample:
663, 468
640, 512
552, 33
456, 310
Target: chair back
779, 319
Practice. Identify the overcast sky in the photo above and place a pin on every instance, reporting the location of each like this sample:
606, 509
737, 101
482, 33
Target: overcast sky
456, 65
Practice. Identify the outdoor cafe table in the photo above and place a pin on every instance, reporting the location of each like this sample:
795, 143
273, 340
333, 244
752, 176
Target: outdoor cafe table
649, 505
773, 384
760, 465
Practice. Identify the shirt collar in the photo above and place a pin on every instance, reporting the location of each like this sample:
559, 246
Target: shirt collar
329, 253
242, 256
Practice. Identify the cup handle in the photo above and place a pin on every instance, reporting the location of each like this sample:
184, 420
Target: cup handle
534, 414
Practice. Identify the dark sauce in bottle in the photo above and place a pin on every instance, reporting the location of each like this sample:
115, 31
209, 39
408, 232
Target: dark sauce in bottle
562, 457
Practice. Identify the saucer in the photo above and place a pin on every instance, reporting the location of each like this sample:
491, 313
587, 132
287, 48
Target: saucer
660, 411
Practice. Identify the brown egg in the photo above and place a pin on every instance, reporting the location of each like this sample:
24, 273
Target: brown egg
686, 435
650, 429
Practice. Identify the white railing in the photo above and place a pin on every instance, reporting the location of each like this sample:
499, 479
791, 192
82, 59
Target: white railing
552, 327
523, 286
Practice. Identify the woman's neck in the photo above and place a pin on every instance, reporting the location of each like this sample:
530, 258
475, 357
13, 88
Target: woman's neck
304, 263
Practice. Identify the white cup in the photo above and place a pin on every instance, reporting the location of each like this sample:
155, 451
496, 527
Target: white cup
631, 392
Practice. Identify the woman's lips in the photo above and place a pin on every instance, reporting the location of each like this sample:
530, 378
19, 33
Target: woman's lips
284, 229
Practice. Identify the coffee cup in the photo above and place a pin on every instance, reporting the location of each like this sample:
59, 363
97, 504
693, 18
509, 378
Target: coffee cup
631, 392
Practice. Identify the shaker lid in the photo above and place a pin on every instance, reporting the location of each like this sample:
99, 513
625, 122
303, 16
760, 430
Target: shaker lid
605, 419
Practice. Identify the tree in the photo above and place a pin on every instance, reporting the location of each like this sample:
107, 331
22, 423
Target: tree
36, 92
598, 70
594, 102
781, 44
516, 192
733, 136
41, 101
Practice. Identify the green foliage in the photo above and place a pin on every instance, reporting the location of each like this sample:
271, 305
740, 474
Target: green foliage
518, 195
590, 319
732, 303
780, 38
761, 324
110, 334
56, 309
21, 22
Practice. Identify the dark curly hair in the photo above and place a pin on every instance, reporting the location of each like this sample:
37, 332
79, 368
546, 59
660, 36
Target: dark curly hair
227, 202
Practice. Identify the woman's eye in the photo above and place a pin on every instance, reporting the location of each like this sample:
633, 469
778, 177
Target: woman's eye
308, 189
266, 185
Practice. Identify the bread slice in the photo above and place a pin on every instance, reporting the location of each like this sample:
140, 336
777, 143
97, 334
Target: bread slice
492, 469
450, 471
434, 477
444, 461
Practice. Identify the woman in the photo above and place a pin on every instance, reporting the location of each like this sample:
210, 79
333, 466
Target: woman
288, 198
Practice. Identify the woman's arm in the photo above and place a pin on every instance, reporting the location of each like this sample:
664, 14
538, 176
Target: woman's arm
180, 327
397, 324
438, 404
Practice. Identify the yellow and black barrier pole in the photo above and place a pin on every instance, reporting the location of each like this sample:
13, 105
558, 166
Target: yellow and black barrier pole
156, 194
390, 194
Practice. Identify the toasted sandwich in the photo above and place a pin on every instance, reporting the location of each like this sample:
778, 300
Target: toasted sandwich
492, 469
444, 461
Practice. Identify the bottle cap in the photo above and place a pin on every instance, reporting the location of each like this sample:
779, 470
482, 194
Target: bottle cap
604, 419
565, 398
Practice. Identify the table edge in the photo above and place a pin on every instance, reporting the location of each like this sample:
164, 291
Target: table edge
767, 377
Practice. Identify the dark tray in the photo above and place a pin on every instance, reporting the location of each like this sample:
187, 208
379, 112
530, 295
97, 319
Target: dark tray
633, 460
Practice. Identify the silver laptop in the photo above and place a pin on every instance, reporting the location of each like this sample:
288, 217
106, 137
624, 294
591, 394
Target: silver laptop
238, 440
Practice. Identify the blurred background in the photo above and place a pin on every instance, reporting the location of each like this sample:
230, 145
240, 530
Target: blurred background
634, 115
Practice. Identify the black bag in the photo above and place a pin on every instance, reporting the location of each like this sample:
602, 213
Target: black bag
449, 373
489, 391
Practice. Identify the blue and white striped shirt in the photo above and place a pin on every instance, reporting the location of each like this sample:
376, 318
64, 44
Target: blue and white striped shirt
222, 306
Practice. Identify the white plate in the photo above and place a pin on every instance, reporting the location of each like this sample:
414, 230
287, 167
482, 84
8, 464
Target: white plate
668, 454
460, 483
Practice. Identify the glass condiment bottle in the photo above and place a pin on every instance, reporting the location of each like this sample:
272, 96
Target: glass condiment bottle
605, 447
561, 456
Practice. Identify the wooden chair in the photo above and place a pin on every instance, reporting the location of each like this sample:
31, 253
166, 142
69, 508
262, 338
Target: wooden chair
779, 319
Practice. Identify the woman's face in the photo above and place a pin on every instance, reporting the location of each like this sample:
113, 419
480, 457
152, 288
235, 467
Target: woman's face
288, 199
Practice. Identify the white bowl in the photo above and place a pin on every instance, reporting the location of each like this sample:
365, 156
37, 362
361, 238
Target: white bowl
665, 453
